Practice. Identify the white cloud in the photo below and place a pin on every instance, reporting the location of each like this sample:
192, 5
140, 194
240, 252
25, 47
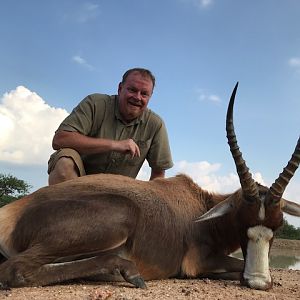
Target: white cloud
82, 14
202, 95
204, 3
292, 193
214, 98
88, 11
144, 173
206, 175
81, 61
27, 125
294, 62
199, 3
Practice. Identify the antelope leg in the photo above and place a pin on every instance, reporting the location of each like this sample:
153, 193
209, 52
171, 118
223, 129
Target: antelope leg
16, 272
223, 267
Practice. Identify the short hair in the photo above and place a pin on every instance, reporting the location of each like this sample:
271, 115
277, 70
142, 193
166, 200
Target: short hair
142, 71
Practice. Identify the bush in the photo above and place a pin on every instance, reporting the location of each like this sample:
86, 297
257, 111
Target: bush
12, 188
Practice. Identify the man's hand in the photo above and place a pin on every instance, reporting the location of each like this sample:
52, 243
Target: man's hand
127, 146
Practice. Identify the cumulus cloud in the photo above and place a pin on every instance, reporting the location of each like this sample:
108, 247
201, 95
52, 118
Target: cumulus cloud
27, 125
206, 175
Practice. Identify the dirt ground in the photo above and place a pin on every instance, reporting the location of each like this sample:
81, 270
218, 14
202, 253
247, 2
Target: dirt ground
286, 286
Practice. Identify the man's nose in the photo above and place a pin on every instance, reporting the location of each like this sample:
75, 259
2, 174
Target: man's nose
138, 95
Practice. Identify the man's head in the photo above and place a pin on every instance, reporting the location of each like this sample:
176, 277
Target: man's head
134, 92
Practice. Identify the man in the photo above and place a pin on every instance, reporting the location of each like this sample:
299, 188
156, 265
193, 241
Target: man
112, 134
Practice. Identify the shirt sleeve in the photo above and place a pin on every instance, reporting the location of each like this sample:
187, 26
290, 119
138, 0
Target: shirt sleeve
82, 117
159, 156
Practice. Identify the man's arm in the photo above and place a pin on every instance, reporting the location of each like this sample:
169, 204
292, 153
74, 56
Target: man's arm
157, 173
89, 145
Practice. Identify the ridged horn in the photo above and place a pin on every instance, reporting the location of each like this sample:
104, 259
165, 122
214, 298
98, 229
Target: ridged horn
277, 189
248, 184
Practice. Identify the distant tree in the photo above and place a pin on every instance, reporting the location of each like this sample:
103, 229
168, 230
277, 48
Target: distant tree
288, 231
12, 188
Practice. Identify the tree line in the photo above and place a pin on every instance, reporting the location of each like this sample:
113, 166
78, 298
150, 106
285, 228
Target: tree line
12, 188
288, 231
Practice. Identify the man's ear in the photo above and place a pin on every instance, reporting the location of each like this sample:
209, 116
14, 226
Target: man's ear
119, 88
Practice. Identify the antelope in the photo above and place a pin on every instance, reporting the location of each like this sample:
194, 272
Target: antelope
111, 226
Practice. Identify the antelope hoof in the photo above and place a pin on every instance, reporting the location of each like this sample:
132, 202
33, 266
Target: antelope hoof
137, 281
4, 287
257, 284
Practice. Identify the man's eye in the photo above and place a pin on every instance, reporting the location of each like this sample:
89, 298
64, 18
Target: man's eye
132, 90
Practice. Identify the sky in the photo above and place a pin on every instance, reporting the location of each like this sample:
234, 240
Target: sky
54, 53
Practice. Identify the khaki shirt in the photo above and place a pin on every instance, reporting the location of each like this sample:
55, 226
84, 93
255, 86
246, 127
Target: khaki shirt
98, 116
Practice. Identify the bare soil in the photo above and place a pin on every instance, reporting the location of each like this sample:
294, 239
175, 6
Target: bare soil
286, 286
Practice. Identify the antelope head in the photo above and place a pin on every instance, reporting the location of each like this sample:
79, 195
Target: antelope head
258, 210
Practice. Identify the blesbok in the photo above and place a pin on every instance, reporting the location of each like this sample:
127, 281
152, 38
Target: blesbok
137, 230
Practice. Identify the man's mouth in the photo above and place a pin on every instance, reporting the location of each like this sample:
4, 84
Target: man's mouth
135, 103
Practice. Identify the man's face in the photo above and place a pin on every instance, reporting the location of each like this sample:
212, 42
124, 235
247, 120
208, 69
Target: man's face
134, 95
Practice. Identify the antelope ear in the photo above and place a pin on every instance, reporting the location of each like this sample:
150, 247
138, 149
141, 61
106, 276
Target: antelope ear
219, 210
290, 207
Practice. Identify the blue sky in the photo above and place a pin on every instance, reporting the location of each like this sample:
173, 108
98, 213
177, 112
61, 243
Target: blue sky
55, 53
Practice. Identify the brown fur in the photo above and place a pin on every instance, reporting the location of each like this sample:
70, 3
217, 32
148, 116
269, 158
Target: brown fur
102, 223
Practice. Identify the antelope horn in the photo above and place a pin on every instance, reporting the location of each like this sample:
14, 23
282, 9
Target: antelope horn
248, 184
278, 187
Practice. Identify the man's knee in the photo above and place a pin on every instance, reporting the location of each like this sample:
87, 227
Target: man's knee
65, 169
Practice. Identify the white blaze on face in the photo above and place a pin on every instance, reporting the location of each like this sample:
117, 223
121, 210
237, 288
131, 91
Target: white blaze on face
262, 211
256, 271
